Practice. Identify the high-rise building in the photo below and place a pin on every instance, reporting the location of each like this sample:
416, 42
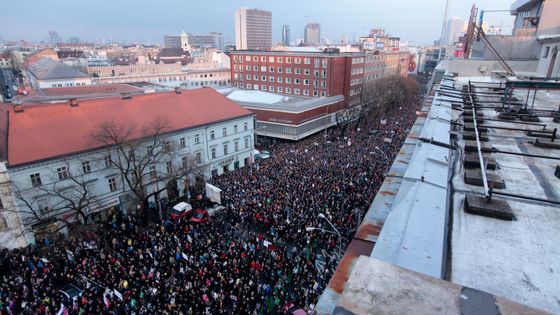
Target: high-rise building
453, 30
54, 38
286, 35
171, 41
253, 29
312, 34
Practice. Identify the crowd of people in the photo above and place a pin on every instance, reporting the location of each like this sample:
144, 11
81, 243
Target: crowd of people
272, 250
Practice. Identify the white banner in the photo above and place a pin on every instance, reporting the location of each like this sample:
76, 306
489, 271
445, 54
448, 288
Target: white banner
214, 193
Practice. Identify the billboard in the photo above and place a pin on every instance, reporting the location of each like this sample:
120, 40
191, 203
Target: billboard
213, 193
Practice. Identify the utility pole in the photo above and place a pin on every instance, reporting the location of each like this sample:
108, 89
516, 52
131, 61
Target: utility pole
443, 29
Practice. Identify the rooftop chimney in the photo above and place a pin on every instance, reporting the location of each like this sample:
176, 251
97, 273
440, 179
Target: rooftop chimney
178, 90
73, 102
125, 96
18, 108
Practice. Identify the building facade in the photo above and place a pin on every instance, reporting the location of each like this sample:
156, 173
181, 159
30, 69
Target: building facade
286, 35
312, 74
253, 29
219, 138
312, 34
172, 41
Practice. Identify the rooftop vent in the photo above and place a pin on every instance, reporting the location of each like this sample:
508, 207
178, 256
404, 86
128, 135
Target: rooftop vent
126, 96
178, 90
18, 108
73, 102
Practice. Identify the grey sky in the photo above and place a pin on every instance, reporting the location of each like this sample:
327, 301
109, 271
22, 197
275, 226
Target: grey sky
417, 21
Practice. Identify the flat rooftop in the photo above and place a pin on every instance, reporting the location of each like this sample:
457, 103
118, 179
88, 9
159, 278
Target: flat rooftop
255, 99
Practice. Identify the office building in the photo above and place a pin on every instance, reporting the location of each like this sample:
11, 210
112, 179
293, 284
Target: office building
286, 35
453, 30
253, 29
312, 34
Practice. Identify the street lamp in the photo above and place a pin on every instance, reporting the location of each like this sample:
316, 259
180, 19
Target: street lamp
384, 155
312, 228
386, 160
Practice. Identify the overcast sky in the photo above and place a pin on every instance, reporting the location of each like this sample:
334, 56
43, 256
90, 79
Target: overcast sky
417, 21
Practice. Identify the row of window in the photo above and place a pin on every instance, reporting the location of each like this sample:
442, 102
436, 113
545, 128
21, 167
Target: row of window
324, 62
225, 131
287, 80
225, 148
306, 71
280, 89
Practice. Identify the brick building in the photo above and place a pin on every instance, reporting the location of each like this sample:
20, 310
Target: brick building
314, 74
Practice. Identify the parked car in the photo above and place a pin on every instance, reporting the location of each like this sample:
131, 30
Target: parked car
181, 210
70, 291
200, 216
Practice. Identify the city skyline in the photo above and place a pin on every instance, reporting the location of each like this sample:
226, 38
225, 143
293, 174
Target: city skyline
26, 21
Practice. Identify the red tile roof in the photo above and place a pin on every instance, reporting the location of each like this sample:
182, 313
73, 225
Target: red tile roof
46, 131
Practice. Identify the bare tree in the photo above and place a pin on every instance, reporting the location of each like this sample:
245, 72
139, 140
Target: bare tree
65, 199
139, 152
345, 117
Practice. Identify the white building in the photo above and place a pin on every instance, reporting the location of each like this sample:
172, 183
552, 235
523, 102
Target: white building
51, 148
47, 73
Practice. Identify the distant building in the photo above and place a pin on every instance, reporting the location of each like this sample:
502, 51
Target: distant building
286, 35
312, 34
54, 38
171, 41
453, 29
378, 40
5, 60
253, 29
49, 73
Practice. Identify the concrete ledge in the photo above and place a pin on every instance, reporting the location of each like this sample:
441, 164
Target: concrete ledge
470, 135
547, 144
474, 177
470, 146
498, 209
471, 161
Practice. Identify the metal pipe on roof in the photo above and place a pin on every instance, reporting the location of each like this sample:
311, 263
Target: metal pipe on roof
556, 202
487, 192
492, 150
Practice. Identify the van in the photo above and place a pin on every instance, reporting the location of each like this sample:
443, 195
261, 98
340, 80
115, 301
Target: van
181, 210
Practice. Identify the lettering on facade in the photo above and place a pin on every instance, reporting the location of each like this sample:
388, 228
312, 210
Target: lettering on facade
282, 121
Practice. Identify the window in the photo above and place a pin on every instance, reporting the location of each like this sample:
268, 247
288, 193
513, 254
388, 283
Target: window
546, 51
234, 128
317, 62
279, 69
297, 81
279, 59
108, 161
298, 71
263, 68
211, 134
196, 139
263, 78
305, 82
198, 157
225, 149
62, 173
296, 91
255, 58
323, 84
224, 132
263, 58
131, 154
288, 90
325, 63
288, 70
256, 77
271, 69
86, 167
245, 126
270, 59
288, 59
306, 92
36, 180
213, 153
236, 146
263, 87
248, 77
153, 172
167, 145
307, 61
279, 89
279, 79
288, 80
255, 68
324, 74
246, 143
271, 88
169, 167
183, 142
306, 71
112, 184
297, 60
315, 93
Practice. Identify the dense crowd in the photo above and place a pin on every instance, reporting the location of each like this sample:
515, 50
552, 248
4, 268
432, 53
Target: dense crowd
256, 257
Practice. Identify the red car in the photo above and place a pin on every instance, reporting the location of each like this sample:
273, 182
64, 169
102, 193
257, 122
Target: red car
180, 210
200, 216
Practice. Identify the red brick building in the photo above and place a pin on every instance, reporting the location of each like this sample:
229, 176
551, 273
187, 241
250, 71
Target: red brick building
313, 74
